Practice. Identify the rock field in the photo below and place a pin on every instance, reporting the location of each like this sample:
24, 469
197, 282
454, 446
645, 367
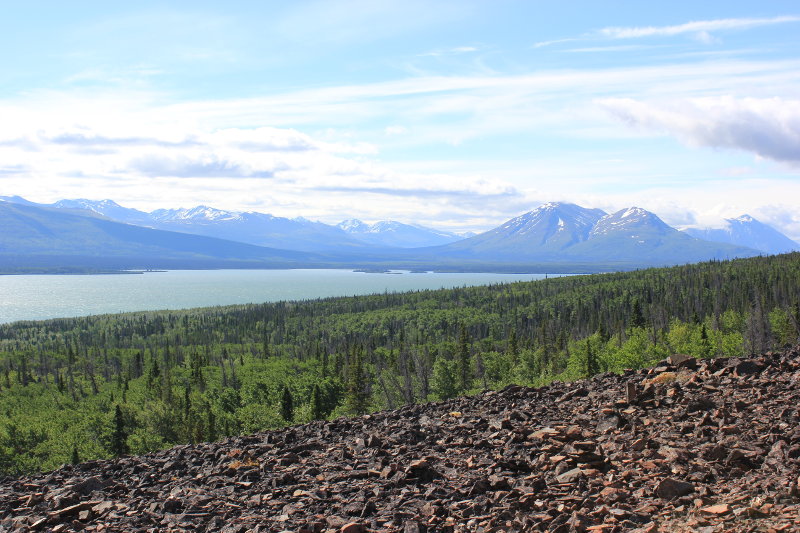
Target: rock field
689, 445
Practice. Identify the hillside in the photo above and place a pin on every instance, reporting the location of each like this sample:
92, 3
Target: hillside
686, 445
202, 374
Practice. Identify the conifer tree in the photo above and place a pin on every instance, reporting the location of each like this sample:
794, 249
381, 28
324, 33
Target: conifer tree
316, 403
357, 398
513, 344
211, 424
705, 344
119, 438
637, 319
463, 361
287, 405
602, 334
592, 364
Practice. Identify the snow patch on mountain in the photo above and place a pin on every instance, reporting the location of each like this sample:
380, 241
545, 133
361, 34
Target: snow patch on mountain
195, 214
396, 234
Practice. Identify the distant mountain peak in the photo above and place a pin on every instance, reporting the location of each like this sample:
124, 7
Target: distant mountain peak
628, 219
351, 224
197, 213
635, 212
548, 229
84, 203
745, 230
16, 200
396, 234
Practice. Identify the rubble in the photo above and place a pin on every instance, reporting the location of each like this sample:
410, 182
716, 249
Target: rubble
689, 445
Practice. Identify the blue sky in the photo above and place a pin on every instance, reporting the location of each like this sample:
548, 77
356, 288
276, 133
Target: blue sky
457, 115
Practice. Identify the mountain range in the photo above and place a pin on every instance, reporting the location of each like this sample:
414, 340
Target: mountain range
559, 232
36, 237
103, 233
259, 229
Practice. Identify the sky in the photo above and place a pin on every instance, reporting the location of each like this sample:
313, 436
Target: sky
452, 114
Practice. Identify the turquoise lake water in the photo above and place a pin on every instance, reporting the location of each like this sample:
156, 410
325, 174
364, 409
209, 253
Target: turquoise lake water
37, 297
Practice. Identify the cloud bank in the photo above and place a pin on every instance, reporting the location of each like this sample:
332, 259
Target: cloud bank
766, 127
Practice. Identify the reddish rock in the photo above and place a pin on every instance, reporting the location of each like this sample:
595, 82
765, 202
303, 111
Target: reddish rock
353, 527
608, 454
669, 489
719, 509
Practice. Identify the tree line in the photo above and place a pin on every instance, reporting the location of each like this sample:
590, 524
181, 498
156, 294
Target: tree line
91, 387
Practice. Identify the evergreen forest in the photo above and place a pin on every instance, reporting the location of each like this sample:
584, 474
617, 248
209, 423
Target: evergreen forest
85, 388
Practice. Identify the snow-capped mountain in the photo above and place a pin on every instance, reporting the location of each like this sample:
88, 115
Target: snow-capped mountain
544, 232
250, 227
747, 231
254, 228
105, 208
63, 238
568, 232
635, 234
552, 233
633, 220
201, 213
353, 225
396, 234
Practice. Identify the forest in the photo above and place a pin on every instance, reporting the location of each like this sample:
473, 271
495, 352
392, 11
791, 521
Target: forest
95, 387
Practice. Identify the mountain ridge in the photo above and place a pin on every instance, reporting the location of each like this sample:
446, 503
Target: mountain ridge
568, 232
391, 233
48, 232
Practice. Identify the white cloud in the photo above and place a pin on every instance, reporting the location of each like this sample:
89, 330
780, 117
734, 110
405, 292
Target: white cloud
701, 28
605, 49
137, 149
767, 127
395, 130
543, 44
450, 51
150, 157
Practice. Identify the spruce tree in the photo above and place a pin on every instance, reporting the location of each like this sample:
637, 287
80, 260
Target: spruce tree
357, 398
705, 344
592, 364
513, 344
316, 403
637, 318
287, 405
119, 438
463, 361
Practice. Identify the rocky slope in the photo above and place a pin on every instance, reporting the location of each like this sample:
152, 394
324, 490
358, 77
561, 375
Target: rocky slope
689, 445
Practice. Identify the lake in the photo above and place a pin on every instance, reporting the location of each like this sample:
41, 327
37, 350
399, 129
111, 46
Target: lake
37, 297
